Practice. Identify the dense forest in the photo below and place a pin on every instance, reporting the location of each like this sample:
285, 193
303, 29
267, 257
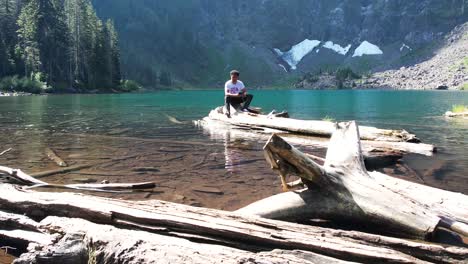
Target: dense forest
57, 45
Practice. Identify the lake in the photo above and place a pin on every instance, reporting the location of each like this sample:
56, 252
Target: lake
207, 168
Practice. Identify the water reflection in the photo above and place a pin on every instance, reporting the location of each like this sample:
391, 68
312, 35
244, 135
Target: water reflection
235, 142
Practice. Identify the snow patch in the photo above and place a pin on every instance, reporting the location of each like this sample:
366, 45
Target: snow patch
404, 46
317, 50
278, 52
337, 48
282, 66
367, 48
297, 52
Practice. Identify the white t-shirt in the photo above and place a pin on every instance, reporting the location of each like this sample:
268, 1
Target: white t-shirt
231, 88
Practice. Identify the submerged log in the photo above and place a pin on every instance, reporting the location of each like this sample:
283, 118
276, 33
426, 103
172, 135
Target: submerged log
50, 153
343, 190
43, 174
308, 127
148, 230
5, 151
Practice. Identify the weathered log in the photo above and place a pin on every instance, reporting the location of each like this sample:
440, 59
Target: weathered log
5, 151
219, 129
174, 120
375, 161
459, 115
46, 173
342, 189
101, 187
86, 242
208, 226
50, 153
19, 177
419, 148
309, 127
43, 174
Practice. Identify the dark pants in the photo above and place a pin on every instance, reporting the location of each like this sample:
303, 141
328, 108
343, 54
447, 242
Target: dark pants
237, 101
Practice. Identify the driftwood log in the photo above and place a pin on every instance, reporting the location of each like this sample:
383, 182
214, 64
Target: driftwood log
50, 153
343, 190
458, 115
308, 127
66, 227
218, 128
19, 177
5, 151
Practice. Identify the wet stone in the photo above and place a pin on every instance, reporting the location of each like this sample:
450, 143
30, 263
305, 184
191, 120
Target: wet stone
145, 169
84, 180
205, 189
178, 197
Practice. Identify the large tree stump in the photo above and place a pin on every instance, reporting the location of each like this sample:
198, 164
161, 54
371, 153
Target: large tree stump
342, 190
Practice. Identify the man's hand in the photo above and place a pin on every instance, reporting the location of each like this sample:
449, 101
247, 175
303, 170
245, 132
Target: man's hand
243, 93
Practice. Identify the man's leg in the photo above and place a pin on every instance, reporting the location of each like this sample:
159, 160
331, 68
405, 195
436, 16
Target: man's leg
247, 100
227, 101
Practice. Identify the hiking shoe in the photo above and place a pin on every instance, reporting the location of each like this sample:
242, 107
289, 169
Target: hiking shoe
245, 110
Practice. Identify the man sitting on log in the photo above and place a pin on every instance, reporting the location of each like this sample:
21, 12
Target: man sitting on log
236, 94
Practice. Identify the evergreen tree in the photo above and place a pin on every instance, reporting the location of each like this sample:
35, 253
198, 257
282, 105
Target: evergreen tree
60, 42
8, 38
165, 78
113, 40
54, 42
28, 46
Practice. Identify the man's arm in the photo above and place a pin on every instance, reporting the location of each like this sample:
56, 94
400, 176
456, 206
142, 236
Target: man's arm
243, 90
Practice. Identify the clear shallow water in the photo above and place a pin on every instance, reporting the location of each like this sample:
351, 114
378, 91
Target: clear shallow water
29, 124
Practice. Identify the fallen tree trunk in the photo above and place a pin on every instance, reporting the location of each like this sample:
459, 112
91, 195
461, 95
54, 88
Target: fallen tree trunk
218, 130
19, 177
5, 151
176, 232
343, 190
308, 127
87, 242
50, 153
458, 115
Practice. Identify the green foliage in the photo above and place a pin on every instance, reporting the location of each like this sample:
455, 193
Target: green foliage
346, 73
343, 74
459, 108
328, 118
61, 41
129, 86
165, 78
22, 84
310, 77
464, 87
465, 62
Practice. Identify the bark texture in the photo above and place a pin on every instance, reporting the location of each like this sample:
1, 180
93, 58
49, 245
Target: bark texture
343, 190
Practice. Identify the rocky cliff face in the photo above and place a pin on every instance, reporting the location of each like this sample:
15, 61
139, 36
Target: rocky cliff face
447, 69
274, 41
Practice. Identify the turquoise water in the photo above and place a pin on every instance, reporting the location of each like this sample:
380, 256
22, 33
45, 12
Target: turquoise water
418, 111
144, 115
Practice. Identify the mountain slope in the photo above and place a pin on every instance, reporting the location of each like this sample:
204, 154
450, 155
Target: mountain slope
447, 69
199, 41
